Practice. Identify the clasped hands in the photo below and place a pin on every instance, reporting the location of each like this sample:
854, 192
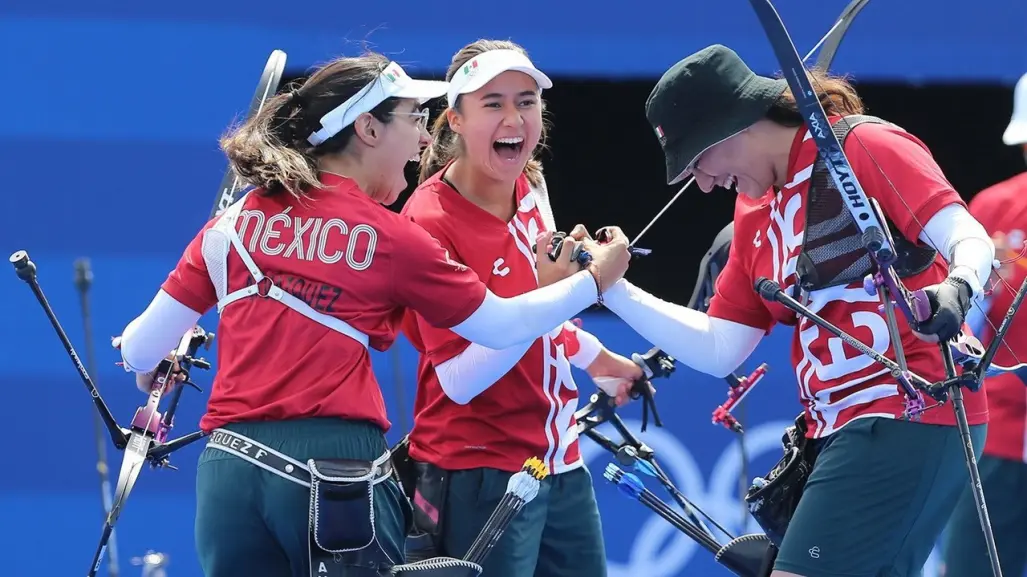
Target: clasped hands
610, 256
614, 374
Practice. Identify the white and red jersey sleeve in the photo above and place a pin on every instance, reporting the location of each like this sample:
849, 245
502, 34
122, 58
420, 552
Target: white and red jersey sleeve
189, 283
427, 279
898, 170
734, 297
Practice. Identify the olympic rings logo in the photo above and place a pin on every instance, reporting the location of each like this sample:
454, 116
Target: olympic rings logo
660, 550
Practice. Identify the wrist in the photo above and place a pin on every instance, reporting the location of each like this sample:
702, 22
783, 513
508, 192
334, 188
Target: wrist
600, 366
967, 275
597, 276
964, 292
583, 348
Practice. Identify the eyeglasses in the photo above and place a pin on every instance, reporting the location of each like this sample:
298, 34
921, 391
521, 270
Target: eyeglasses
421, 116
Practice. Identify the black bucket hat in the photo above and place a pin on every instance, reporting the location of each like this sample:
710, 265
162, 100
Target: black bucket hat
705, 99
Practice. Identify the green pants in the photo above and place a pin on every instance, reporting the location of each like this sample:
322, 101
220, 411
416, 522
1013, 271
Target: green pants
965, 555
557, 534
250, 521
878, 497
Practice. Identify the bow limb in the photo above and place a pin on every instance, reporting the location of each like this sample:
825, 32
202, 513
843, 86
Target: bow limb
865, 213
834, 37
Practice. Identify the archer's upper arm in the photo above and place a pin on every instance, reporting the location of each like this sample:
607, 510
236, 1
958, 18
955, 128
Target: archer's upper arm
898, 170
189, 283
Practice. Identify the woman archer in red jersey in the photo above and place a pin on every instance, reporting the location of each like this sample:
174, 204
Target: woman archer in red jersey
308, 272
881, 487
480, 412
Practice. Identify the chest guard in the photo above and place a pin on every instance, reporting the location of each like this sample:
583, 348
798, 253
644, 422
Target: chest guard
832, 251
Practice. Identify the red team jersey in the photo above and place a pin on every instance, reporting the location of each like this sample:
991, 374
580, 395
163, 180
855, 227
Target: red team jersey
1002, 210
837, 384
529, 412
345, 256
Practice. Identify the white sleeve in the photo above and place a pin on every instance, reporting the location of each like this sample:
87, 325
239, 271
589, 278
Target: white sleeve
707, 344
151, 336
477, 368
499, 323
589, 346
963, 243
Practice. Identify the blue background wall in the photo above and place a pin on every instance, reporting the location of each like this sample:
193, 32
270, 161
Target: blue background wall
111, 111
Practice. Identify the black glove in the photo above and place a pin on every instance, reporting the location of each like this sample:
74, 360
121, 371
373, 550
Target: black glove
950, 302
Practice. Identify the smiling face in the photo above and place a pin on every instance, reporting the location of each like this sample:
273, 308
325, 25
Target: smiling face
500, 124
392, 145
735, 164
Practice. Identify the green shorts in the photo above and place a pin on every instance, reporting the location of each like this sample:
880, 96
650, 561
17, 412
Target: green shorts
965, 554
250, 521
557, 534
878, 497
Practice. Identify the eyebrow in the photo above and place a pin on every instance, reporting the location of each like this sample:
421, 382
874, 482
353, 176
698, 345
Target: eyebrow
498, 95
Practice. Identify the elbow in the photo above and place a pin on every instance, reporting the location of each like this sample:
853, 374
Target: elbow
458, 398
719, 367
453, 388
721, 371
132, 357
496, 339
493, 340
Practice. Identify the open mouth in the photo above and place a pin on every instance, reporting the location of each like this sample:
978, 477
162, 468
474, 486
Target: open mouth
509, 149
731, 183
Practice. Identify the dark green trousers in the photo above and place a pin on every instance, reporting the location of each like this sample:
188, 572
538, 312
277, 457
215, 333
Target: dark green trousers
557, 534
250, 521
879, 496
1005, 489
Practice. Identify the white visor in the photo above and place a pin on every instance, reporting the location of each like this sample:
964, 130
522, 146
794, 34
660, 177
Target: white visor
1016, 132
393, 82
478, 71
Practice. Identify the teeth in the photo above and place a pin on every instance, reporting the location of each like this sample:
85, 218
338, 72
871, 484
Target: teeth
511, 140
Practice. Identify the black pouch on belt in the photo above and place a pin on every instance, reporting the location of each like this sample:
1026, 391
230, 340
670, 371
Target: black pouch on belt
428, 500
342, 509
772, 501
426, 486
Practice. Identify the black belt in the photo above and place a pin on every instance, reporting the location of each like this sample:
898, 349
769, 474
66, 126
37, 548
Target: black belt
279, 463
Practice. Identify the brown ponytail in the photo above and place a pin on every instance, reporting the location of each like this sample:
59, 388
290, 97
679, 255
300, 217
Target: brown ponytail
836, 95
446, 144
271, 151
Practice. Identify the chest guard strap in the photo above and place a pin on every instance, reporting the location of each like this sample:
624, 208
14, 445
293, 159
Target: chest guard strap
832, 250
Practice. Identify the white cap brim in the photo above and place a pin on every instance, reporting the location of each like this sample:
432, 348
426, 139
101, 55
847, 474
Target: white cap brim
1016, 132
422, 90
392, 82
481, 69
